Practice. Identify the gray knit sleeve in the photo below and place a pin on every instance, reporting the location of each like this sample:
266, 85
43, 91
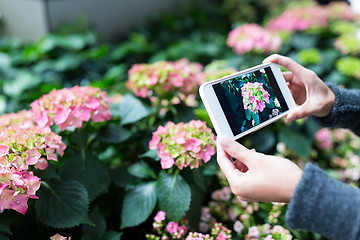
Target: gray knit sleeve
324, 205
346, 110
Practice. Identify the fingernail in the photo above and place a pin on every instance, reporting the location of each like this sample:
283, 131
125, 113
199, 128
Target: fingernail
289, 118
225, 141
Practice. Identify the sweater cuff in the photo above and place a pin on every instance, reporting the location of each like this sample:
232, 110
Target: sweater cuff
324, 205
304, 200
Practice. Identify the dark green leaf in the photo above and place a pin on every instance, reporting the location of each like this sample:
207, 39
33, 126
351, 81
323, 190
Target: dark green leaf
199, 178
87, 169
141, 170
211, 167
122, 178
48, 174
248, 114
256, 118
151, 154
263, 140
80, 137
138, 204
5, 228
114, 134
99, 226
132, 109
112, 235
337, 78
63, 204
174, 196
303, 41
2, 237
296, 142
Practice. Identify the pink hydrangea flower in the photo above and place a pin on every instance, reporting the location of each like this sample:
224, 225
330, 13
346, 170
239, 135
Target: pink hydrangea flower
221, 236
324, 137
197, 236
254, 232
340, 11
348, 44
22, 118
183, 144
166, 83
71, 107
172, 227
251, 37
58, 237
160, 216
254, 97
21, 147
299, 19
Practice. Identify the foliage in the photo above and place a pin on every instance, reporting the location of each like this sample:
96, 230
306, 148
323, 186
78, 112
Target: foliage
118, 116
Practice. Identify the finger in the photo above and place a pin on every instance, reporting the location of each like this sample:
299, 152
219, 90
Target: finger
225, 161
241, 166
270, 58
288, 76
286, 62
302, 111
237, 151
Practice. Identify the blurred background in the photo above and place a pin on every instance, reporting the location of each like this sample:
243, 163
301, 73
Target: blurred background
56, 44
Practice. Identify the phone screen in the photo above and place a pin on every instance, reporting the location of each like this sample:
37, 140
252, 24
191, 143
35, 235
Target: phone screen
250, 99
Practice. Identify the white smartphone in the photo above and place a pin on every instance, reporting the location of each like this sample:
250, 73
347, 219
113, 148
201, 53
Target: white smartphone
246, 101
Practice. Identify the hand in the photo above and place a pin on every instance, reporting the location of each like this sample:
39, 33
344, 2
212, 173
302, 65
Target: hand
308, 90
254, 176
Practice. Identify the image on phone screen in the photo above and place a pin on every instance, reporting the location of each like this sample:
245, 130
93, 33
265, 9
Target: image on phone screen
250, 99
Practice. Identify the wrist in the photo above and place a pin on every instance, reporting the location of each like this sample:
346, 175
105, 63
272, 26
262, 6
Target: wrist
293, 182
328, 104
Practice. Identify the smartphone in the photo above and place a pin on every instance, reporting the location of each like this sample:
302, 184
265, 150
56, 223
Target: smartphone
246, 101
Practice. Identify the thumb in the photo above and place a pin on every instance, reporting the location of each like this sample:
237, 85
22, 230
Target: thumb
301, 111
237, 151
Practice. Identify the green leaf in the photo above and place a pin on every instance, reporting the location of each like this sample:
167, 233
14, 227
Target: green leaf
5, 228
87, 169
5, 60
73, 42
151, 154
202, 115
304, 41
138, 204
67, 62
122, 178
247, 114
199, 178
99, 226
62, 204
132, 109
211, 167
174, 196
114, 134
256, 118
22, 81
80, 137
141, 170
263, 140
111, 235
2, 104
2, 237
48, 174
296, 142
